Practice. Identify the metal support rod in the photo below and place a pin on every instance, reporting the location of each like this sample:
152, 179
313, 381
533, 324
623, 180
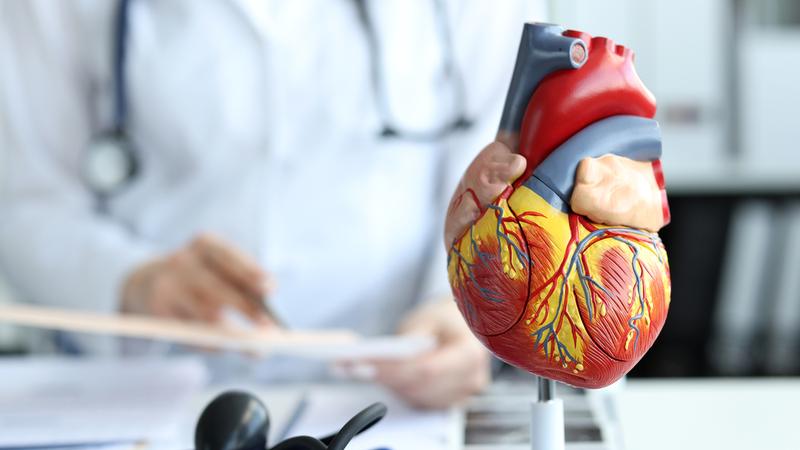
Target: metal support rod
547, 389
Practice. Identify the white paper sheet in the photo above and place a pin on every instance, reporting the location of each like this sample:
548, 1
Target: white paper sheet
48, 402
379, 347
403, 428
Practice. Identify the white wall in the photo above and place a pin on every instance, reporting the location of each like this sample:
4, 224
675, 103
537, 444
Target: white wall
8, 337
770, 68
686, 54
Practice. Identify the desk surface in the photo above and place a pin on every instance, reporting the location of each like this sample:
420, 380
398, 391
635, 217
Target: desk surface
726, 414
650, 414
681, 414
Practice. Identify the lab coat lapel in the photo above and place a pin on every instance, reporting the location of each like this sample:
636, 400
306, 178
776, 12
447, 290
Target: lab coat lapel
269, 18
255, 12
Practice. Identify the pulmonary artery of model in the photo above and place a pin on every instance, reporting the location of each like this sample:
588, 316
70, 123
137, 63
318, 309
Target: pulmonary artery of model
221, 337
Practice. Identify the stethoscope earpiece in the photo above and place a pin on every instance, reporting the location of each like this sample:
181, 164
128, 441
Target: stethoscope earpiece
237, 420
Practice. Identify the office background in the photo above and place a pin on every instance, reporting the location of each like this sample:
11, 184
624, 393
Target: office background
725, 75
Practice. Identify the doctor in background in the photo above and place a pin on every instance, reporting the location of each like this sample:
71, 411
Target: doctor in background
308, 145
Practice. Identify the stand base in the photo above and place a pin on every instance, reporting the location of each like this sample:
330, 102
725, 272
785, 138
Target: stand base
547, 425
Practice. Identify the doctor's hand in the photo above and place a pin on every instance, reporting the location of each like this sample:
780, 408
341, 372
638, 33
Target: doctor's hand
458, 368
197, 283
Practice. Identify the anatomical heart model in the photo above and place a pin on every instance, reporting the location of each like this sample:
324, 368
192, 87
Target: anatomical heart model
554, 256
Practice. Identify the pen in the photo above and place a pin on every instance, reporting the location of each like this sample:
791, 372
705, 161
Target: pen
270, 312
298, 412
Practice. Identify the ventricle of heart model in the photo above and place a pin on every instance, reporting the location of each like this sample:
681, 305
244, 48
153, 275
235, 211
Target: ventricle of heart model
553, 253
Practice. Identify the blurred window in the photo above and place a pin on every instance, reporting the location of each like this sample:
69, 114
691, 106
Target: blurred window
772, 13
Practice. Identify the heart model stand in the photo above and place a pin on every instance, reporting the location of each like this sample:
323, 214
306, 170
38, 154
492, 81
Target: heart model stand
547, 418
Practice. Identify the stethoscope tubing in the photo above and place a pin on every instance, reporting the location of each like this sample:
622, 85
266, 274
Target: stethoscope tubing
361, 422
127, 152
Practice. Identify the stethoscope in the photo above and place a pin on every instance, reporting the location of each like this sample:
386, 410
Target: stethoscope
111, 159
112, 162
451, 71
237, 420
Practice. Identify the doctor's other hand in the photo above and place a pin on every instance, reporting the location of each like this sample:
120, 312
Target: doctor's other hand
198, 283
450, 373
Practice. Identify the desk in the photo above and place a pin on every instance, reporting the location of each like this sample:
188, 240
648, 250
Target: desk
685, 414
728, 414
497, 420
645, 414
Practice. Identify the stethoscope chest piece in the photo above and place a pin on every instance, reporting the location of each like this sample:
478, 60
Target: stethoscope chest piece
109, 163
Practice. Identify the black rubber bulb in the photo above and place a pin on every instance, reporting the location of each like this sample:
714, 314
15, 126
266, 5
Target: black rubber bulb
232, 421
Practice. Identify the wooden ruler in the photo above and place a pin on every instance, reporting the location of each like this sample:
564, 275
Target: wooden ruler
277, 341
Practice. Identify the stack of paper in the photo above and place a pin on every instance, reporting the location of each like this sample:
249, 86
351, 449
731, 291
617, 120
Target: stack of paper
57, 402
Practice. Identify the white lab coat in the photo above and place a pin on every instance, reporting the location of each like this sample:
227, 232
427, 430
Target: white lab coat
254, 120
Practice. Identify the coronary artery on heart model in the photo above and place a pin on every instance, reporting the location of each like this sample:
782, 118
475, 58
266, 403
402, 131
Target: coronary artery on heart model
553, 253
